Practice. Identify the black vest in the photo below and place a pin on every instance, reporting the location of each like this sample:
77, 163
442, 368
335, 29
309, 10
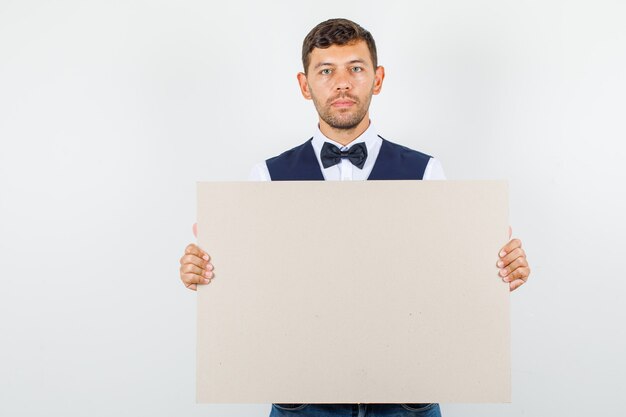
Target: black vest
394, 162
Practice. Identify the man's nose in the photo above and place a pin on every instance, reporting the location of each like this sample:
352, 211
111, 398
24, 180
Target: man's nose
343, 82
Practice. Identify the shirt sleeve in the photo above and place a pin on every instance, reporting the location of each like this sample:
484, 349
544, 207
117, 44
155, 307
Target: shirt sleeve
259, 172
434, 170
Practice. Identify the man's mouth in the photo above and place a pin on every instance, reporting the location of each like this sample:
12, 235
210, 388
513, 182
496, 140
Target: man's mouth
342, 103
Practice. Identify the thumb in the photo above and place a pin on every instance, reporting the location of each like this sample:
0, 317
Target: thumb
195, 229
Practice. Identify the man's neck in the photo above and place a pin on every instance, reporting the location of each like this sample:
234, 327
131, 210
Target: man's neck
344, 136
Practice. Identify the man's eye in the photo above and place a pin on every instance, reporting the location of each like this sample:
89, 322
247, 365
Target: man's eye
357, 69
325, 71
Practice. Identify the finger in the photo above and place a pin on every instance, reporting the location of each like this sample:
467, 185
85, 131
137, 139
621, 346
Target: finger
193, 281
192, 287
194, 260
510, 257
513, 243
519, 273
516, 264
195, 229
192, 269
516, 284
191, 278
193, 249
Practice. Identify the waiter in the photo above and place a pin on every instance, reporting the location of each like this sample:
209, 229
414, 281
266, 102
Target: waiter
341, 74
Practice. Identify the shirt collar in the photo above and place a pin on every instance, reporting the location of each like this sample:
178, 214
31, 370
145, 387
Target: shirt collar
369, 137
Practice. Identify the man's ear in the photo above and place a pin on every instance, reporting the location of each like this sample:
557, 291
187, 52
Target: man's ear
304, 86
379, 76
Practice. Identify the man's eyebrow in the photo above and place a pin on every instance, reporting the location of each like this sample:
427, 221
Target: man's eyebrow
354, 61
321, 64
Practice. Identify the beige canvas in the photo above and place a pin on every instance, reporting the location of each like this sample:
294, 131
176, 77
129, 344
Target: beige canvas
353, 292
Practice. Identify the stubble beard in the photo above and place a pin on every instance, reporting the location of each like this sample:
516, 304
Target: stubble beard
342, 119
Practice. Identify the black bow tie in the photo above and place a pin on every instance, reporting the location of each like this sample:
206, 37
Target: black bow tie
332, 155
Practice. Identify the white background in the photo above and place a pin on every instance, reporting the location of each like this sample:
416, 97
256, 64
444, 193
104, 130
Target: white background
111, 111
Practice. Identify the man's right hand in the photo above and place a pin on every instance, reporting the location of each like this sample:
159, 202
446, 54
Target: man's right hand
195, 266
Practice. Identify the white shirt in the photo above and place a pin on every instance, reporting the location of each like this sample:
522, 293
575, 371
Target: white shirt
345, 171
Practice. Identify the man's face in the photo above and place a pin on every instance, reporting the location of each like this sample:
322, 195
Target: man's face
341, 81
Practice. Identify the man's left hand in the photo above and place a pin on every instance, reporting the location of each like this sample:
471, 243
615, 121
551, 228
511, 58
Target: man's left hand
513, 265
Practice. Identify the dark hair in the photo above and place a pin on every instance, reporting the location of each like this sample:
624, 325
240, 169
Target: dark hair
336, 32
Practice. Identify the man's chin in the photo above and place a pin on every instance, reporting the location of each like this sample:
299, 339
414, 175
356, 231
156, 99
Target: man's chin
344, 123
345, 126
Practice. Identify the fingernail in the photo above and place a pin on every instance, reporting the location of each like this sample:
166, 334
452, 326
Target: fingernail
500, 264
208, 274
205, 257
502, 253
209, 267
505, 279
206, 281
503, 272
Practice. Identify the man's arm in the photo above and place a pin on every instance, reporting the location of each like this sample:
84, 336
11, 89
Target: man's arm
434, 170
260, 172
195, 264
513, 265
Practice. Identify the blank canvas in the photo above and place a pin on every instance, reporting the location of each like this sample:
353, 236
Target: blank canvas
353, 292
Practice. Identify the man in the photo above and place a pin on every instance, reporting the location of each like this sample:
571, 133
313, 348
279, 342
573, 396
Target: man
341, 74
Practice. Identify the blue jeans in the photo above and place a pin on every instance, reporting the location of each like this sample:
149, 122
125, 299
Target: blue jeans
355, 410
